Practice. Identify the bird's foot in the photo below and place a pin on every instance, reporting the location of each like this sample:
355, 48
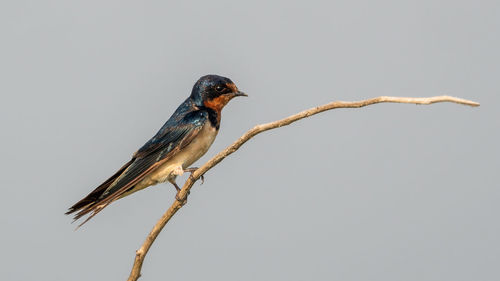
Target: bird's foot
183, 201
192, 170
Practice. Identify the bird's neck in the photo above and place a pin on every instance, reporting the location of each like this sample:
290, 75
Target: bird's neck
213, 116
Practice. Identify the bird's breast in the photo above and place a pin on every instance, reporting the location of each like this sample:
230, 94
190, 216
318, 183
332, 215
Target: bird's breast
187, 156
198, 146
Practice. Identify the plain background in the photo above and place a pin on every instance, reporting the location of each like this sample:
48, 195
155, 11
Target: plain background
387, 192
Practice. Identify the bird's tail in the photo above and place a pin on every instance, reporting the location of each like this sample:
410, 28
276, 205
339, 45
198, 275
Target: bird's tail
91, 202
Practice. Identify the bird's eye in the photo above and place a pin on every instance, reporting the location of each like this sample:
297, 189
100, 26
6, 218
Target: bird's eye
219, 88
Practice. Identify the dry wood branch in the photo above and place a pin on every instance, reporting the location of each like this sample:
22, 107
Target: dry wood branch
141, 253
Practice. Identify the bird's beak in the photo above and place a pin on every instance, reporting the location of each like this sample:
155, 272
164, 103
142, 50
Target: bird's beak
240, 93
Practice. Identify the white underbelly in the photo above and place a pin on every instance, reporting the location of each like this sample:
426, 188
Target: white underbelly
183, 159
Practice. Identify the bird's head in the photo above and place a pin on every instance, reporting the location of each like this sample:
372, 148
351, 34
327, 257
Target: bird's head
214, 92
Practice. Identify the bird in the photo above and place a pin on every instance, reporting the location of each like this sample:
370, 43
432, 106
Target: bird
183, 139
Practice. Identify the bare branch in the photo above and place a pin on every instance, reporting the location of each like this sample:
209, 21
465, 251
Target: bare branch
141, 253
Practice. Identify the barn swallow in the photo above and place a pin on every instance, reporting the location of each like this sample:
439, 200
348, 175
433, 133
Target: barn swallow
183, 139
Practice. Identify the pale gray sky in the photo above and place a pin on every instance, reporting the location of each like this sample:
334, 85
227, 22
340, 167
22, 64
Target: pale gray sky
388, 192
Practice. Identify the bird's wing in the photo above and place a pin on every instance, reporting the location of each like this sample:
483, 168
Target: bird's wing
172, 137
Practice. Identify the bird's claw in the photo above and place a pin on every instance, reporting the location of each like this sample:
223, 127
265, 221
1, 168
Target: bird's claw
183, 201
192, 170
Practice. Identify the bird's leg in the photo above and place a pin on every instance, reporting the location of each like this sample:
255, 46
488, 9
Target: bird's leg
191, 170
175, 185
172, 181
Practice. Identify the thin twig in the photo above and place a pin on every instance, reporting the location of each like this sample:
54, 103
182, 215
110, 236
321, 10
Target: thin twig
141, 253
